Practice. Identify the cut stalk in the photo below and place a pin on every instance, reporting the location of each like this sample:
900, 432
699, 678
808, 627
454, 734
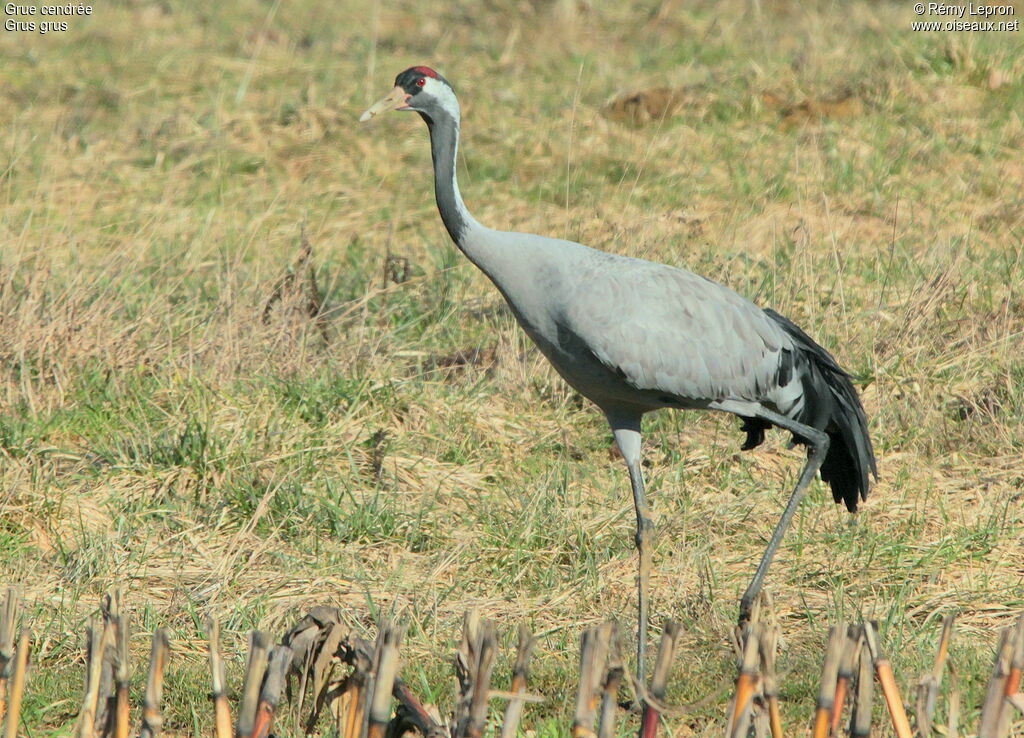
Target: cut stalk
384, 680
520, 673
322, 667
928, 687
122, 715
991, 724
222, 711
98, 639
746, 685
1017, 664
351, 708
152, 720
844, 681
417, 713
610, 687
487, 648
593, 656
860, 721
887, 681
18, 683
8, 624
466, 662
953, 720
106, 704
767, 647
256, 667
659, 680
370, 686
343, 707
827, 685
270, 694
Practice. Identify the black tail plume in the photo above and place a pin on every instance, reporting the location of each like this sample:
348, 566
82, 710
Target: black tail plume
831, 404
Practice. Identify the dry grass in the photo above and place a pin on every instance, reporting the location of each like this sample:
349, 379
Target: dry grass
159, 427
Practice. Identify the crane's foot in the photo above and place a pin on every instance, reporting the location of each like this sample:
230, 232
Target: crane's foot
746, 611
754, 607
632, 707
746, 624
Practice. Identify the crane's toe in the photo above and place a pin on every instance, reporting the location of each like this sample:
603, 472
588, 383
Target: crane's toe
754, 428
746, 611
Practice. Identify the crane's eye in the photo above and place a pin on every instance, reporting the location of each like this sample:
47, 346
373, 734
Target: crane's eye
421, 81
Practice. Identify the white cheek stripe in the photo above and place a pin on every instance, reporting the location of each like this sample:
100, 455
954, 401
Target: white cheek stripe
443, 94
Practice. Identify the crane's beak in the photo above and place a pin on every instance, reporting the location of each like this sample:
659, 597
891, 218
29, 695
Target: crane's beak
395, 100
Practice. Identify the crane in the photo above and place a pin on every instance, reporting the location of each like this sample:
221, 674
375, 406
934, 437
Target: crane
635, 336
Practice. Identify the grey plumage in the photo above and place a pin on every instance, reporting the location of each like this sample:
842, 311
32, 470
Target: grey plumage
635, 336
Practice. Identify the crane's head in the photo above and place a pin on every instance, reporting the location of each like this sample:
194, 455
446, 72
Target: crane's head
422, 90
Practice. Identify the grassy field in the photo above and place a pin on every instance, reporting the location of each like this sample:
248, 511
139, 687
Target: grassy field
174, 420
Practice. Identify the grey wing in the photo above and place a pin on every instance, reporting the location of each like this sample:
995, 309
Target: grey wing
671, 331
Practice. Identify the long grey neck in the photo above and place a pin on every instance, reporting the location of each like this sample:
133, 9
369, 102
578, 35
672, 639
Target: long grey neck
444, 145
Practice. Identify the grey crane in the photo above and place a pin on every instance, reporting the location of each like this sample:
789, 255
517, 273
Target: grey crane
635, 336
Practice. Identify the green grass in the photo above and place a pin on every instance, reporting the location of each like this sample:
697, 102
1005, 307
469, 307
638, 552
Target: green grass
160, 429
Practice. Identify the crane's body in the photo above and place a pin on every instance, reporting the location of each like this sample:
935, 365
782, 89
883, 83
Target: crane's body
631, 335
635, 336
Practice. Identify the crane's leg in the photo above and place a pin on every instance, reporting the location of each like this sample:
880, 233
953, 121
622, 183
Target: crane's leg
628, 440
815, 456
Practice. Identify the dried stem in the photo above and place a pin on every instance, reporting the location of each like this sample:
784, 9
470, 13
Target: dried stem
928, 687
352, 652
860, 721
98, 639
259, 643
414, 710
8, 624
318, 640
659, 680
343, 708
827, 685
121, 624
767, 646
222, 711
1017, 664
106, 702
18, 683
746, 683
487, 648
370, 686
887, 681
953, 719
322, 669
610, 687
354, 724
385, 671
851, 646
991, 724
594, 644
270, 695
152, 720
351, 706
520, 673
1016, 701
